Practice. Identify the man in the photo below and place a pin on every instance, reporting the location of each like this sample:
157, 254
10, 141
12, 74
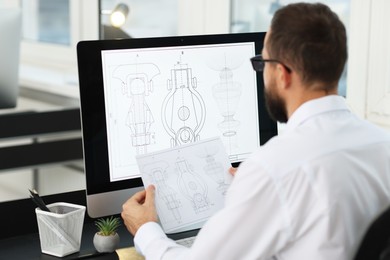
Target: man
312, 191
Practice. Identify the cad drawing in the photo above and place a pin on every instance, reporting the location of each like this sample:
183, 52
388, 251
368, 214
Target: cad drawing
192, 186
214, 169
183, 109
157, 173
227, 93
137, 83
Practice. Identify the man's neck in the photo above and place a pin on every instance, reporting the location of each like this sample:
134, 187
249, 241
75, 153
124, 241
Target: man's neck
304, 94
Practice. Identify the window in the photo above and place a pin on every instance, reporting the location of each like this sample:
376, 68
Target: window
143, 19
51, 31
47, 21
54, 27
254, 15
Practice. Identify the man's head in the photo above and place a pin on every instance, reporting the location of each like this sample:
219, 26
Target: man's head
311, 40
308, 41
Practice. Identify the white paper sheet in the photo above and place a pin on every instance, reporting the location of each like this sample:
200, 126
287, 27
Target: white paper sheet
191, 181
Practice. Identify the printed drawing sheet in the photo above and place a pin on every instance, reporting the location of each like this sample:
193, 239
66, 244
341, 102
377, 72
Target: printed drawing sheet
191, 182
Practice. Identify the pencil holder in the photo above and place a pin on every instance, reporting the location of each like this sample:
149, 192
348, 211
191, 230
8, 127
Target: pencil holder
60, 229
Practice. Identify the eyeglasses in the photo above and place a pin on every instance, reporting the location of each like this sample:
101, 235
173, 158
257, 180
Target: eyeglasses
258, 63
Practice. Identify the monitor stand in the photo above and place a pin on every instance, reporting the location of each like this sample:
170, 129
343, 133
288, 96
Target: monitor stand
108, 203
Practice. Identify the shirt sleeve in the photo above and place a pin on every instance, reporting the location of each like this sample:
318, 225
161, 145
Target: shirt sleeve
151, 241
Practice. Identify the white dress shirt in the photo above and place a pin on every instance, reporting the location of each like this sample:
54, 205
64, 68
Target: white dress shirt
309, 193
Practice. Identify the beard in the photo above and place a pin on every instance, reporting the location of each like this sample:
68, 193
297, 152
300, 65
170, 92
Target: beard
275, 105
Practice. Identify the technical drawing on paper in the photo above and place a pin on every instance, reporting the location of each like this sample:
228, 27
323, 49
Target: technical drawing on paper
188, 192
214, 169
183, 110
158, 175
192, 186
137, 83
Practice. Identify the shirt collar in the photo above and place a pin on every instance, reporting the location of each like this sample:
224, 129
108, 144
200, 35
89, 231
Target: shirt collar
314, 107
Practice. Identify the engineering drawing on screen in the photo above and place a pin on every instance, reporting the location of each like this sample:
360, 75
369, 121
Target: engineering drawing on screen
183, 110
159, 98
137, 83
227, 94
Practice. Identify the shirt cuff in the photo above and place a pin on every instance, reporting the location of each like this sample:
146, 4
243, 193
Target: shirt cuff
146, 234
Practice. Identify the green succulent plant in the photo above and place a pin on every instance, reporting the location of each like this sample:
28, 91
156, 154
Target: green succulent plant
108, 226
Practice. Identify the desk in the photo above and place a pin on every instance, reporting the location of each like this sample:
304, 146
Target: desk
20, 239
28, 246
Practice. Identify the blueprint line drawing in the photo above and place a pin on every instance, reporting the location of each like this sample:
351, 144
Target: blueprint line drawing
213, 168
183, 109
187, 193
192, 186
227, 93
157, 98
158, 175
137, 83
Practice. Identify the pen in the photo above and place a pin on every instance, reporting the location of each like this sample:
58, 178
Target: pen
38, 200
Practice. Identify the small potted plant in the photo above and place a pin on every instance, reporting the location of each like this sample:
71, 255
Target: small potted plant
106, 239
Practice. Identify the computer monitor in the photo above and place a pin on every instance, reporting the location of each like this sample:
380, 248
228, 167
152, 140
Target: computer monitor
10, 33
143, 95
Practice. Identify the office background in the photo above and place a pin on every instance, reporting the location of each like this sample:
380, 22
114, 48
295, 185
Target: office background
48, 65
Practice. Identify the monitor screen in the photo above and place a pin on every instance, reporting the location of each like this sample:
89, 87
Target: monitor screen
144, 95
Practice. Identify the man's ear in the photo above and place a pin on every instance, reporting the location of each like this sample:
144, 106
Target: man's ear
284, 76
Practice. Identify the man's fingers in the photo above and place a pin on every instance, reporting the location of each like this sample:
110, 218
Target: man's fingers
150, 195
139, 196
139, 209
232, 170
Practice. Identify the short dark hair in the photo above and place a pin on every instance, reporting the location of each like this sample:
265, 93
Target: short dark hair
310, 39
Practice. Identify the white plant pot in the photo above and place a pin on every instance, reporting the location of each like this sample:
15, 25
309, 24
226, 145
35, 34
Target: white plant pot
106, 244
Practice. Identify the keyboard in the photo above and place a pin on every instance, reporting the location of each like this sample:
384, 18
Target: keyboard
187, 242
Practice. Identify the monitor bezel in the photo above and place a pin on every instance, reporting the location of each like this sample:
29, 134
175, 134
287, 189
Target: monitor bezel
93, 114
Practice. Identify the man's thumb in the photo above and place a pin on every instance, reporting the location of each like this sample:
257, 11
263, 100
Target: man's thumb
150, 194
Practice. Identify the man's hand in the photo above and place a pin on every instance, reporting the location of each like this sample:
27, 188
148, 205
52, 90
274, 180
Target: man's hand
139, 209
233, 170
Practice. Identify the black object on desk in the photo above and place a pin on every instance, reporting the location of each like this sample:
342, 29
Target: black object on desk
38, 200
